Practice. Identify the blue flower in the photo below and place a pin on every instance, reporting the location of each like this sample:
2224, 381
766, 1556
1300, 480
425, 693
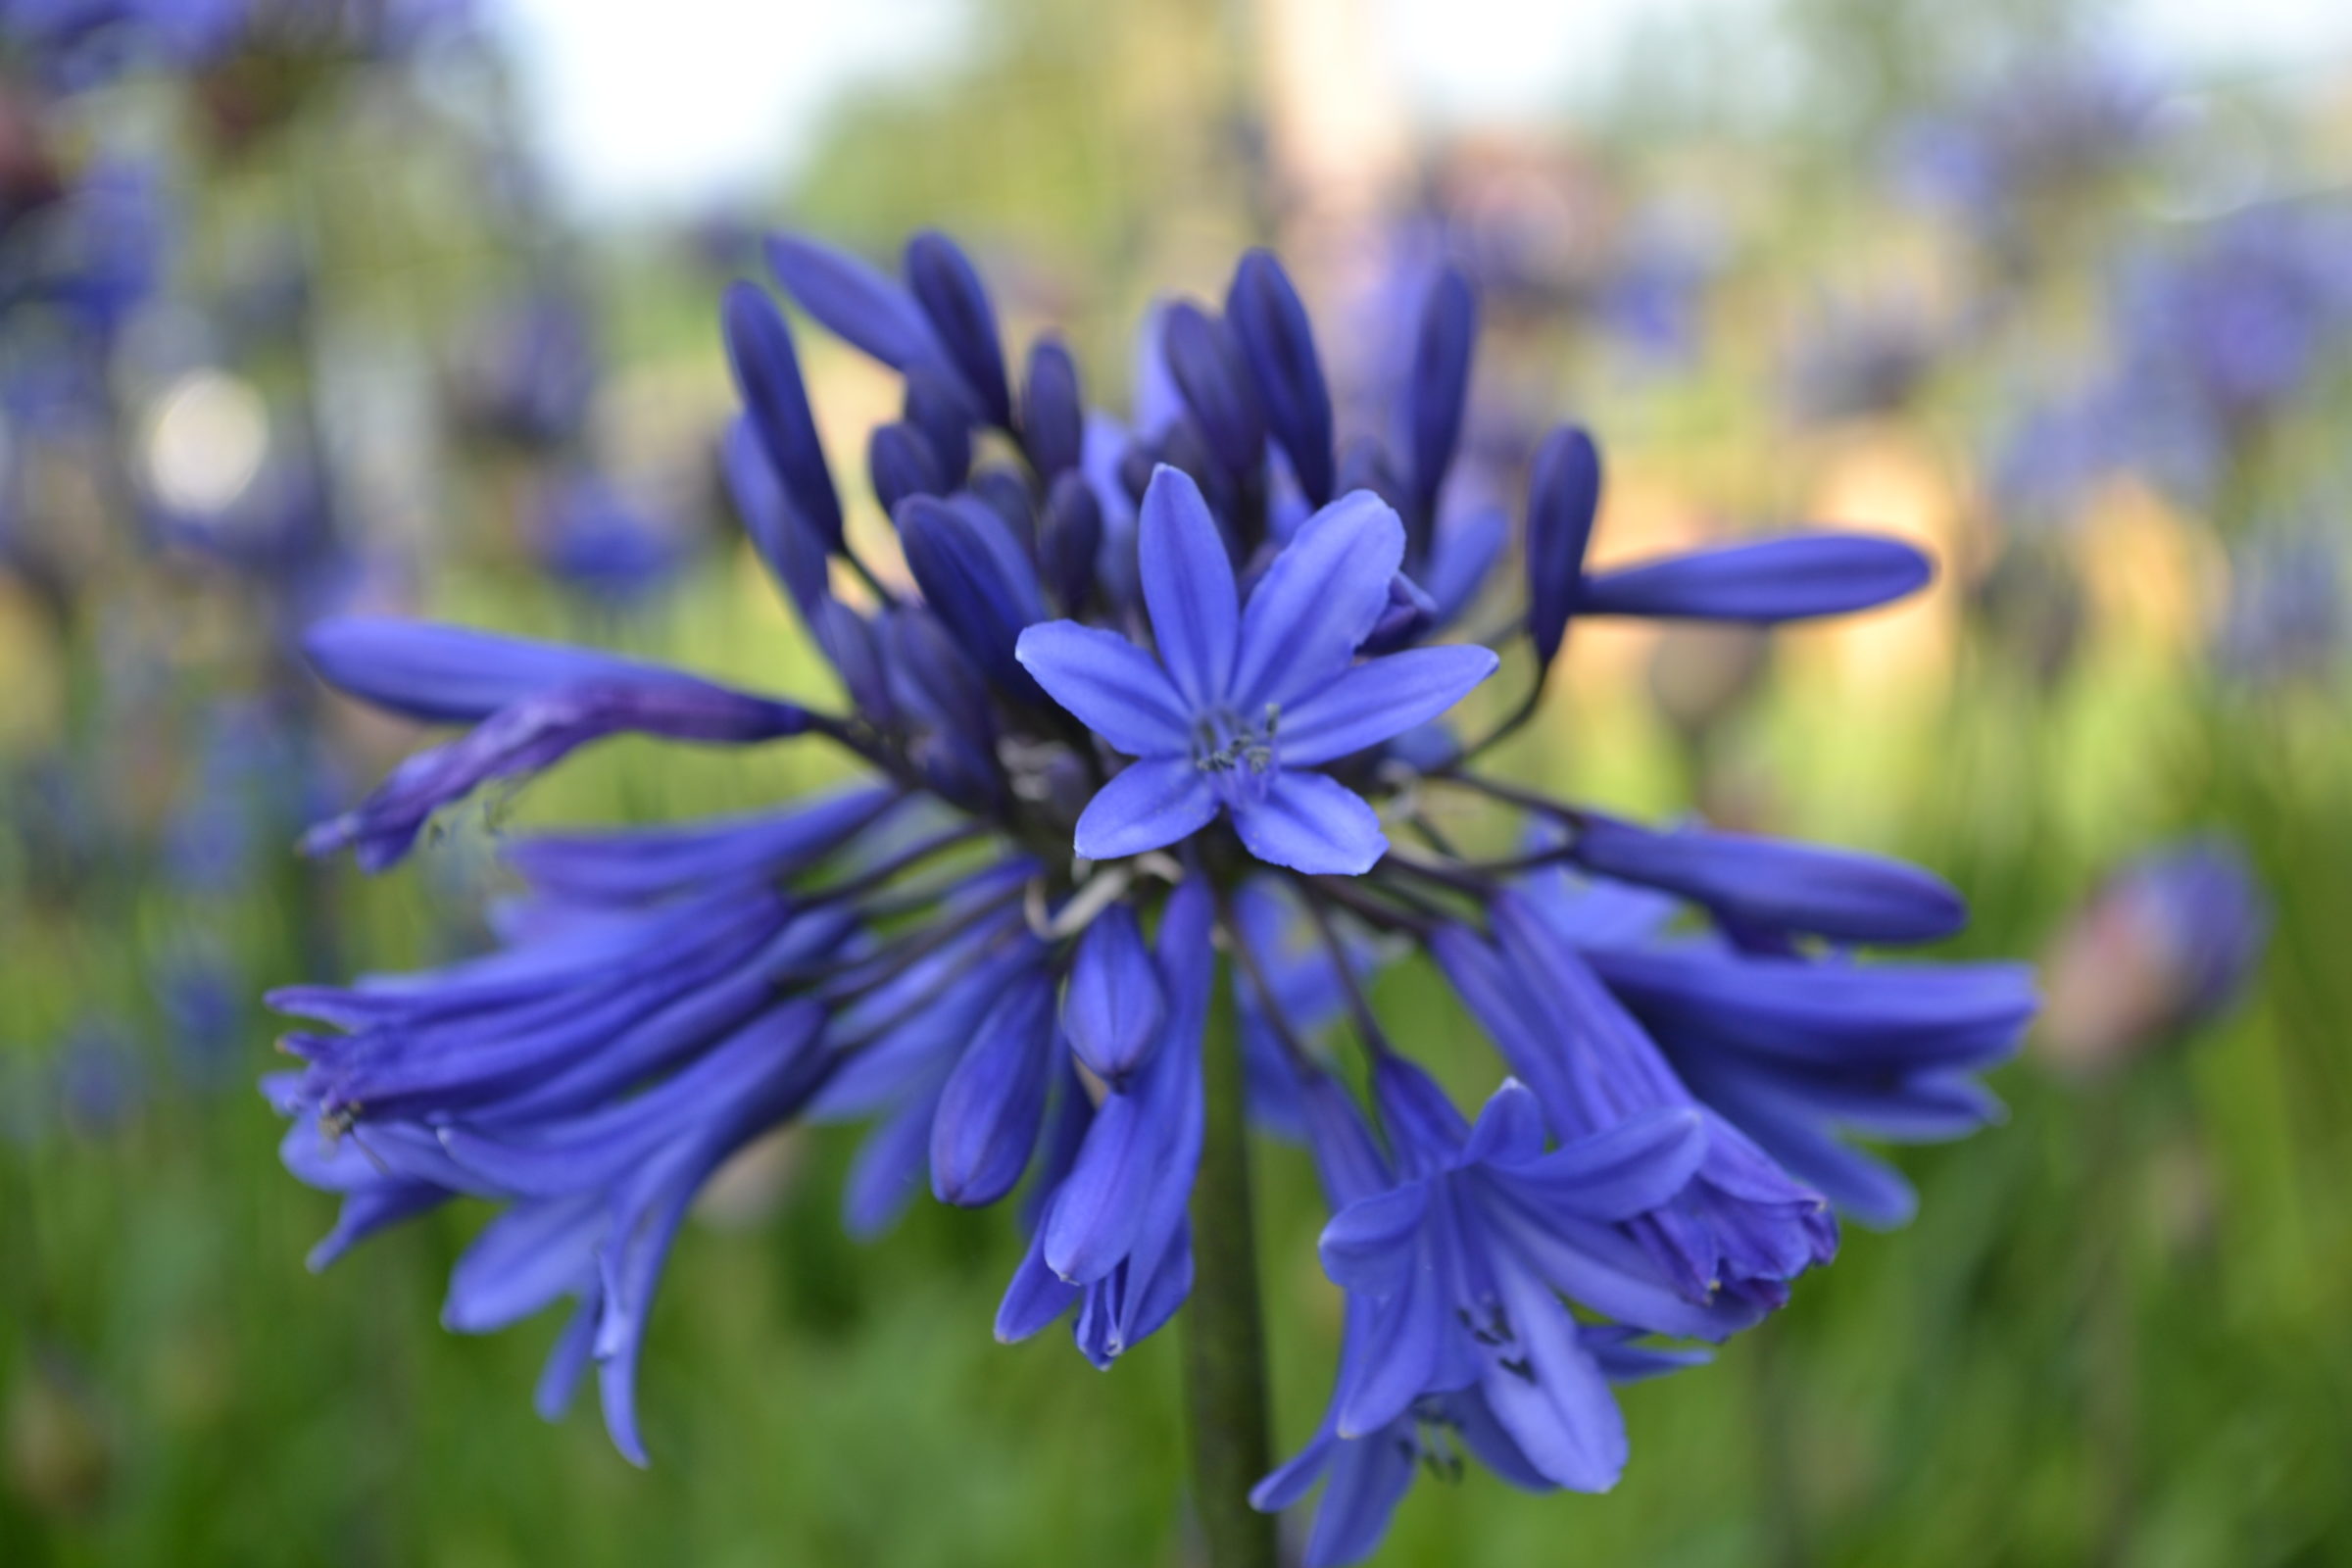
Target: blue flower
1241, 704
2165, 944
1369, 1470
1463, 1262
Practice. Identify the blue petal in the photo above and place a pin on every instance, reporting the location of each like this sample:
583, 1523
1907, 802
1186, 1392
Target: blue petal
533, 734
995, 1101
1052, 415
1369, 1477
1638, 1165
1790, 887
889, 1169
1379, 699
768, 374
856, 302
1187, 588
449, 674
1351, 1168
1877, 1017
1214, 378
1295, 1477
1316, 603
1402, 1349
1108, 684
1035, 1297
1272, 326
1551, 1397
1099, 1210
632, 865
573, 1349
936, 405
949, 289
1461, 557
1409, 612
522, 1262
1114, 1010
975, 583
1794, 578
1309, 823
1563, 495
1426, 1133
1601, 1268
1592, 913
792, 549
1509, 1130
1069, 540
1373, 1244
1440, 381
1149, 806
899, 462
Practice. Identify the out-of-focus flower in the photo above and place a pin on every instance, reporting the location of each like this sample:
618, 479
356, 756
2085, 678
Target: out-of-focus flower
1862, 355
100, 1079
527, 370
592, 536
2061, 130
2221, 330
2286, 619
2165, 946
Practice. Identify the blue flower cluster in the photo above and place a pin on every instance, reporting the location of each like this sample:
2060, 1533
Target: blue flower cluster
1138, 719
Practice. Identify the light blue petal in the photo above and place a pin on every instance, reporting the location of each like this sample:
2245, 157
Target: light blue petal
1188, 587
1317, 602
1378, 699
1108, 684
1152, 804
1311, 824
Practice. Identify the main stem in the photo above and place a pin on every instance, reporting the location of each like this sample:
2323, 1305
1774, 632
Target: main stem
1225, 1342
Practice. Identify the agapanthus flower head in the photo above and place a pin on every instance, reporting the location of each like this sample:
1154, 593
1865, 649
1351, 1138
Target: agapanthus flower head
2165, 946
1154, 719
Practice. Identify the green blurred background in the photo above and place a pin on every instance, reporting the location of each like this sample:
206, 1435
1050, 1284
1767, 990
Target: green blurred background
2117, 1332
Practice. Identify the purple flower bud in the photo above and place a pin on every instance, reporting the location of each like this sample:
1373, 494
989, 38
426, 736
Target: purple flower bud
1440, 388
898, 458
1069, 541
1563, 495
1113, 1010
937, 407
856, 302
792, 549
1052, 419
949, 289
1280, 343
1214, 378
768, 375
1797, 579
995, 1101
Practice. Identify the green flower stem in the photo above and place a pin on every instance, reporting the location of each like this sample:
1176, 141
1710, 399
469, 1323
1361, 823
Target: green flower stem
1225, 1347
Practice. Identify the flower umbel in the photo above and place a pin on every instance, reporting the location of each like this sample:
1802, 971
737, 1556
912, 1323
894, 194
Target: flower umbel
1133, 736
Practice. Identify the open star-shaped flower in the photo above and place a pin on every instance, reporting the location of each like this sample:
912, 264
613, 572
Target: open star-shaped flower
1245, 702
